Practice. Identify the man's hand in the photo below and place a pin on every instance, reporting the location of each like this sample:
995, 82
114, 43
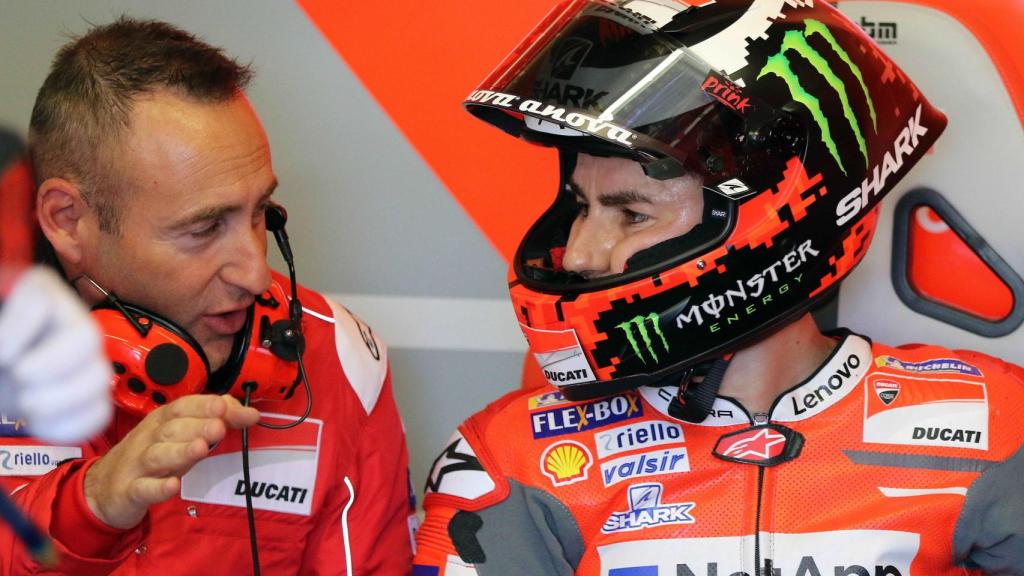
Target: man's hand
53, 371
146, 467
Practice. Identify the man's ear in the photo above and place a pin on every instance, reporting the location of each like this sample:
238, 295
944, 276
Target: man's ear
64, 218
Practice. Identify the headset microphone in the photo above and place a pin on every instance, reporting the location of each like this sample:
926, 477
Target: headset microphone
276, 217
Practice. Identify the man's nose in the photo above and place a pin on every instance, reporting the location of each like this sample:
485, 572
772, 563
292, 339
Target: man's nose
248, 269
589, 249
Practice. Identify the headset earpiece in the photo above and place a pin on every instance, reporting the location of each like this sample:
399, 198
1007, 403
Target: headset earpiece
154, 366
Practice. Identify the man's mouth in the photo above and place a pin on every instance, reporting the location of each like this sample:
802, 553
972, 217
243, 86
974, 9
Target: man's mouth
227, 323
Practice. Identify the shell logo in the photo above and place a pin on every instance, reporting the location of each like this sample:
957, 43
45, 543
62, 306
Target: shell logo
566, 462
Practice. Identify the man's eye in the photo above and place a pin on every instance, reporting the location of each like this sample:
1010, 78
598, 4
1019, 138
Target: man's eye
206, 231
635, 217
583, 209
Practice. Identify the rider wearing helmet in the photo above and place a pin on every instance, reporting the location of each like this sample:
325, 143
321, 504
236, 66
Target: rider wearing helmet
721, 169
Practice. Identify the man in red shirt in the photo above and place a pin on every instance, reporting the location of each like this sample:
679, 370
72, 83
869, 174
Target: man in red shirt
154, 177
721, 169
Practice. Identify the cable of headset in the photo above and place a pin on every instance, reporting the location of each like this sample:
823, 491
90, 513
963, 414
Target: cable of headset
248, 388
275, 224
249, 512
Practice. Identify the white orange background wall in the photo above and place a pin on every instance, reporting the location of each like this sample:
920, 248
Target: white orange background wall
407, 209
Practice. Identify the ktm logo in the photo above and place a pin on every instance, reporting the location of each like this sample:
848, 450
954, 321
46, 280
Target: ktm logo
779, 65
639, 325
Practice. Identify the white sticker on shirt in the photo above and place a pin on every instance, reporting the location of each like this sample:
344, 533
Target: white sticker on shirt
282, 468
839, 552
559, 355
915, 411
643, 434
34, 460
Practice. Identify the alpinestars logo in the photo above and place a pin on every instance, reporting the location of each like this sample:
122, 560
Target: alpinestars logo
450, 461
779, 65
639, 325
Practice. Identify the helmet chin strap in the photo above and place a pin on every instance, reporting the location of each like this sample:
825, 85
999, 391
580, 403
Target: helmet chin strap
698, 389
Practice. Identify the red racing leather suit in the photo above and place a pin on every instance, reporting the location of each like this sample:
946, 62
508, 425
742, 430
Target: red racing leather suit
330, 492
886, 462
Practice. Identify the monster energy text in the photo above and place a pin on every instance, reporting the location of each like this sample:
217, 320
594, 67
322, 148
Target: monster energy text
751, 292
779, 65
639, 324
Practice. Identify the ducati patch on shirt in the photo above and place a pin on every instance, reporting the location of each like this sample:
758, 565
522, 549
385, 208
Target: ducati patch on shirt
282, 468
926, 411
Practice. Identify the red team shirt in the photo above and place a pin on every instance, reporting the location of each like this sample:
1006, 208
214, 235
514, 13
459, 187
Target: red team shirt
879, 458
330, 492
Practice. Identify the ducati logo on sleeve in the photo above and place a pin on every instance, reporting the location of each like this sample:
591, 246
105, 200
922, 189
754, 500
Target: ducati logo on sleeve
766, 445
887, 391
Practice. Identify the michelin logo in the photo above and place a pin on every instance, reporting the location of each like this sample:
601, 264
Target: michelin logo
647, 511
940, 365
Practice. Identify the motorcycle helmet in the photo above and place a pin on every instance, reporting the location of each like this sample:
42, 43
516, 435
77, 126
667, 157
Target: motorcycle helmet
794, 122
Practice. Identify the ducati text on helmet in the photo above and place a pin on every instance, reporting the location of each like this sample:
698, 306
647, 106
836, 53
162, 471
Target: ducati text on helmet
787, 119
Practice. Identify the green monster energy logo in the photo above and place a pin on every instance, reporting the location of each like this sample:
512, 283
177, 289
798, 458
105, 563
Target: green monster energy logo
639, 323
779, 65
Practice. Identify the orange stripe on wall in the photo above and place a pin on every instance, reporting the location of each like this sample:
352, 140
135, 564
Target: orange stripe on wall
419, 60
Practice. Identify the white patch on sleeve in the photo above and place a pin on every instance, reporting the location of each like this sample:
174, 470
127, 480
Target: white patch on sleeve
363, 356
458, 472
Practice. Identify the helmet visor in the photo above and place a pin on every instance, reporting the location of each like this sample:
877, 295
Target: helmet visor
598, 69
